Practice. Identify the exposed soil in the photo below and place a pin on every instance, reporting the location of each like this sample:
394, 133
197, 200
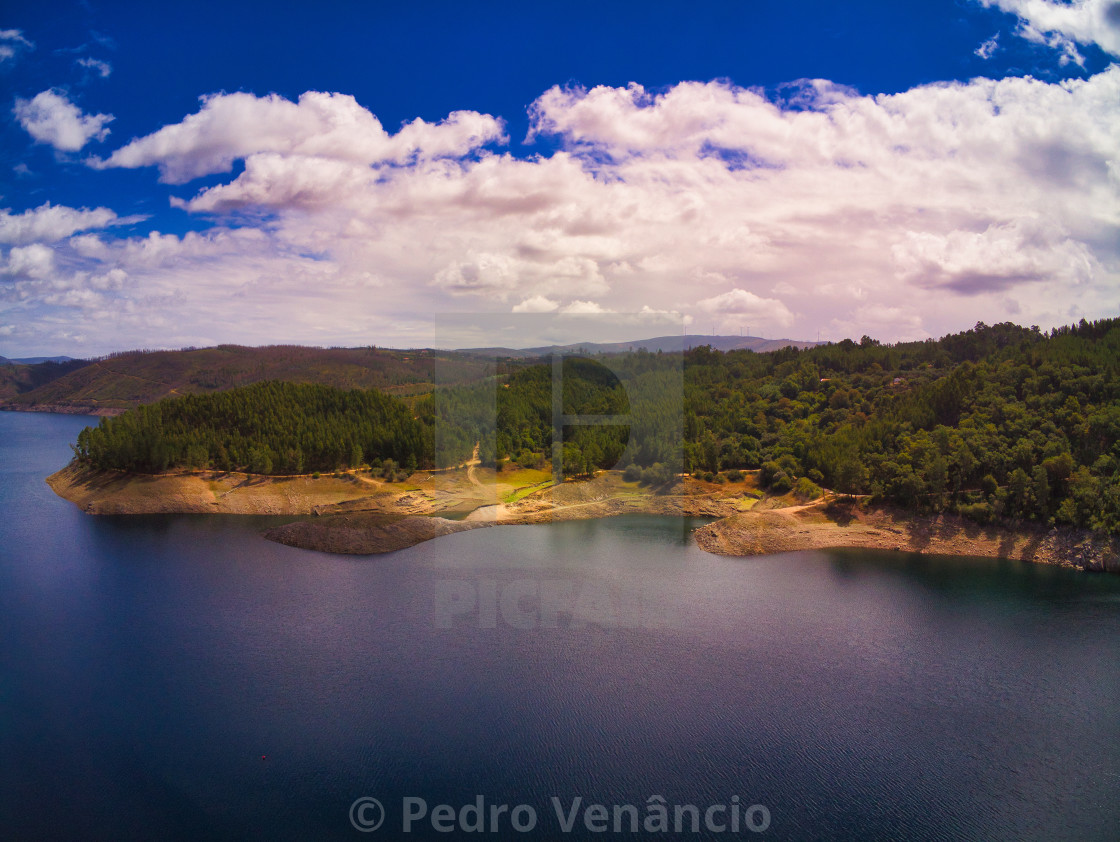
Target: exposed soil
355, 513
819, 526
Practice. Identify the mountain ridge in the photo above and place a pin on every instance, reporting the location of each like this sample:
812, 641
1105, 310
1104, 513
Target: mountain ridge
673, 343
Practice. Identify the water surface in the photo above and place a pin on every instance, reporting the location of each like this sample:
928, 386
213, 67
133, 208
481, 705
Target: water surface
148, 663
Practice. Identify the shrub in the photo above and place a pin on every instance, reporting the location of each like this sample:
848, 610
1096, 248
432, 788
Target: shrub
788, 463
768, 473
656, 474
735, 475
633, 473
979, 512
806, 489
781, 483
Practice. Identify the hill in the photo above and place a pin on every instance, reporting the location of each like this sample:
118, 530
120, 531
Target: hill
20, 378
36, 360
112, 384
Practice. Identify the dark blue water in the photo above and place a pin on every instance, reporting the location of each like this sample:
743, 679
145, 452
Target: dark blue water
147, 665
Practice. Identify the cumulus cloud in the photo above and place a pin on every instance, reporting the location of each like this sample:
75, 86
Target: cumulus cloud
584, 308
899, 215
537, 304
51, 118
741, 302
33, 261
12, 42
997, 258
49, 223
1061, 24
327, 126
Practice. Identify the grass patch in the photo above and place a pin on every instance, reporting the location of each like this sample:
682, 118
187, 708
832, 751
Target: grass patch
519, 477
520, 493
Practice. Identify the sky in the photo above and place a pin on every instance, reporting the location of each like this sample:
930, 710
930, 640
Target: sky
339, 173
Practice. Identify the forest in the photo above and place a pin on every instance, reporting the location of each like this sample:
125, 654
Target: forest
999, 423
266, 428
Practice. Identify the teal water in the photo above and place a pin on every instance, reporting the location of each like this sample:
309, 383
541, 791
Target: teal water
147, 664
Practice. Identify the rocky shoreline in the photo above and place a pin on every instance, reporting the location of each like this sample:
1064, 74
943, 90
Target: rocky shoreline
824, 526
356, 515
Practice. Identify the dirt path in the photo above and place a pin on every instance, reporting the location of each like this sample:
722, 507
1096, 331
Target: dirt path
471, 465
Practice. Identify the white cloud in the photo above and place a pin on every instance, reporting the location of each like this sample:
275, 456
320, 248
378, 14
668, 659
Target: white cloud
33, 261
973, 262
326, 126
51, 118
1060, 24
12, 42
49, 223
740, 302
900, 215
536, 304
101, 68
988, 48
584, 308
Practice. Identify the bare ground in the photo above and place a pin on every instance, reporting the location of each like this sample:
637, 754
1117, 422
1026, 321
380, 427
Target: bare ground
358, 514
819, 526
115, 492
365, 533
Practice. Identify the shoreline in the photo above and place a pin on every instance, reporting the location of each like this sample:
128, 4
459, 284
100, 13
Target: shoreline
353, 514
823, 526
64, 409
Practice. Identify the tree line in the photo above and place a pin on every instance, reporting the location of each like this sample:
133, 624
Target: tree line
272, 427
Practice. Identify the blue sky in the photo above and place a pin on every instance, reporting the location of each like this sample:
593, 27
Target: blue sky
872, 167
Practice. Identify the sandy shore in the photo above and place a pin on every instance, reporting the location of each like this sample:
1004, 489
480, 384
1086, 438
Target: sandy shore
820, 526
353, 513
118, 493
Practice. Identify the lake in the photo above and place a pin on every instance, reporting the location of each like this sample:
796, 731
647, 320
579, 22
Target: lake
180, 678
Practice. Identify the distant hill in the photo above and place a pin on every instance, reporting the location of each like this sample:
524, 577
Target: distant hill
121, 381
37, 360
666, 344
18, 378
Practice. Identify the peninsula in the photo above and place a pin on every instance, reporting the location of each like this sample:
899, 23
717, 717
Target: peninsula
1000, 440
